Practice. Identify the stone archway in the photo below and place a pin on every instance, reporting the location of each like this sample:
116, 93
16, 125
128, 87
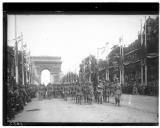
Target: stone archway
39, 63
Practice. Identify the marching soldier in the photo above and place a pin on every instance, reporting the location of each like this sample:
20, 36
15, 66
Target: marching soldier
106, 92
74, 92
65, 93
54, 94
135, 90
40, 92
84, 90
79, 94
118, 92
90, 93
56, 90
100, 92
49, 90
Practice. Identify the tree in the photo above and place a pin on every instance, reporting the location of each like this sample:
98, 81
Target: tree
89, 67
70, 77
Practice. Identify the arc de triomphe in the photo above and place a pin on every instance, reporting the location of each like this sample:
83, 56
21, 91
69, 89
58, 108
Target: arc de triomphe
40, 63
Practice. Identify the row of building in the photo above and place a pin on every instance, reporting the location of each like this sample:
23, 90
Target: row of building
137, 62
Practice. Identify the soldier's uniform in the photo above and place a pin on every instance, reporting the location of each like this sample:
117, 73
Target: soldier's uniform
106, 92
85, 92
74, 92
49, 91
135, 90
65, 92
53, 91
100, 93
118, 93
78, 94
56, 91
90, 93
40, 92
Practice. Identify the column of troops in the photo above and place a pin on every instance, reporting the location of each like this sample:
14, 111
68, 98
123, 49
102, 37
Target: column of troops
82, 92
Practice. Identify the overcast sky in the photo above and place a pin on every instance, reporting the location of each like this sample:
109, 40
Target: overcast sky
74, 37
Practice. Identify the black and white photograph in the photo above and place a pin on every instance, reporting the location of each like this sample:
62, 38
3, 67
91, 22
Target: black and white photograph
81, 68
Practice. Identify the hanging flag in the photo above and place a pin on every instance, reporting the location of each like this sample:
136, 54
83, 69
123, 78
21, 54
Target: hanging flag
103, 51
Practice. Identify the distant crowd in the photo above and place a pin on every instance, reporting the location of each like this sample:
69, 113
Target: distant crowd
17, 97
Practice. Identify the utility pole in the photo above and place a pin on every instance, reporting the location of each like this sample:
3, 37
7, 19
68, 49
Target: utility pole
141, 58
107, 65
121, 62
27, 66
97, 65
16, 53
22, 62
122, 65
107, 68
145, 54
90, 74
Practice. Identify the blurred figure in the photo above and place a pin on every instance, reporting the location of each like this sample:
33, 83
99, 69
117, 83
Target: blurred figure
106, 91
100, 92
118, 92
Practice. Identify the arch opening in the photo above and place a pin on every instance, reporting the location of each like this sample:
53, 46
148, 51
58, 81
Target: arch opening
45, 77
